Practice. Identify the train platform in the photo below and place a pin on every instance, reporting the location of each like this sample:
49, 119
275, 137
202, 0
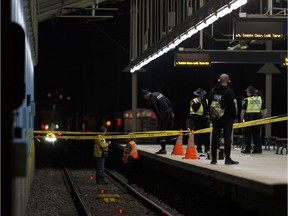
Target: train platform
268, 168
258, 182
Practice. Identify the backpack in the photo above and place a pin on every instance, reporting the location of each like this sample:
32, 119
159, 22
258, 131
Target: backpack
215, 110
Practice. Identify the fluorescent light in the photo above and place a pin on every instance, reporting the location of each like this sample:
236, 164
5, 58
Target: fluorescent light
229, 7
172, 45
149, 59
153, 57
157, 54
137, 67
211, 19
183, 37
201, 25
177, 41
160, 53
165, 49
224, 11
238, 3
191, 32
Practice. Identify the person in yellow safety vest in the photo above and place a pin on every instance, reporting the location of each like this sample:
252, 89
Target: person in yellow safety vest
199, 115
253, 108
100, 153
130, 158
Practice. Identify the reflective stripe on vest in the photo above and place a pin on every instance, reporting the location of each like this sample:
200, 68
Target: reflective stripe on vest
254, 104
200, 110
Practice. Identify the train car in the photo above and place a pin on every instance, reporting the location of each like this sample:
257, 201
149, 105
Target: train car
146, 121
19, 34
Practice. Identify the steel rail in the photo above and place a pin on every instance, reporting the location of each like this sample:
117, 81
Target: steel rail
81, 208
148, 202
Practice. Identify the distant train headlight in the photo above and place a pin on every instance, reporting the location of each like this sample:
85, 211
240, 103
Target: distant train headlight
50, 137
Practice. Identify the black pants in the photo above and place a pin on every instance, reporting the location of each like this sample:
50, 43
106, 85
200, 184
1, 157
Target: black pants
202, 138
252, 133
165, 124
131, 169
227, 126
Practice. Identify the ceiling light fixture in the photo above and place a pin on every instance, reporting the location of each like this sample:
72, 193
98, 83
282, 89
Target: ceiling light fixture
226, 9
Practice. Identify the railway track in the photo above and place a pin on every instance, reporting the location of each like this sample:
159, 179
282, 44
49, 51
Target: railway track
145, 200
115, 198
72, 187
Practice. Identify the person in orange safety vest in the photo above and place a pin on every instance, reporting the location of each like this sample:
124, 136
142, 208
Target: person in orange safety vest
130, 158
130, 151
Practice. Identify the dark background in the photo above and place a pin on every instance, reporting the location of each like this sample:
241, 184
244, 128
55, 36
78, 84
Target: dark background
85, 60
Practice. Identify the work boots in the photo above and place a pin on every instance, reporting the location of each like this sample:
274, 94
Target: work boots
161, 151
213, 161
229, 161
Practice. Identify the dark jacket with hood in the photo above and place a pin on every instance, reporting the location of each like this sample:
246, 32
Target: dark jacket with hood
225, 95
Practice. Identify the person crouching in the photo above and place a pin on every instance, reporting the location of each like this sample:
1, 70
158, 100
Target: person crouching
129, 158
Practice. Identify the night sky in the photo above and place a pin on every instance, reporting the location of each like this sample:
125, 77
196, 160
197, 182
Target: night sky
85, 60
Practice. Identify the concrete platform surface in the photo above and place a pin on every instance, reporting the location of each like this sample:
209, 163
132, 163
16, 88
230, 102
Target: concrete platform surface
267, 168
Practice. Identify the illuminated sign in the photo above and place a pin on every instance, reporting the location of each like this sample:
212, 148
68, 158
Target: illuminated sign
259, 28
204, 58
201, 59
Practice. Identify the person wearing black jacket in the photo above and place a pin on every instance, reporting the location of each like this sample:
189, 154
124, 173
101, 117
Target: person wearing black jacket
225, 95
162, 107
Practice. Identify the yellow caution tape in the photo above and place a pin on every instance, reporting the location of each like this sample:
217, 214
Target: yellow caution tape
250, 123
127, 136
146, 134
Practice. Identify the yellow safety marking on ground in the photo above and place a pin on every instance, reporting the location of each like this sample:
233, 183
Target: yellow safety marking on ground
108, 197
148, 134
103, 195
111, 199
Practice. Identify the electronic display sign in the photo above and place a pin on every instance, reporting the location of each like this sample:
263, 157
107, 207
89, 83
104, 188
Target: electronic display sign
201, 59
204, 58
259, 28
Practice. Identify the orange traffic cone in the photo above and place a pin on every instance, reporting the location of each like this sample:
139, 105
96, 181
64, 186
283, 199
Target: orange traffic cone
191, 152
178, 147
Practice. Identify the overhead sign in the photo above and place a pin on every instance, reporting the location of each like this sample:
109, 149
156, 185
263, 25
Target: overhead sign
204, 58
201, 59
259, 28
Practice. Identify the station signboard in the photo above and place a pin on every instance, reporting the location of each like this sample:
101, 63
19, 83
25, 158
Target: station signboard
201, 59
259, 28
